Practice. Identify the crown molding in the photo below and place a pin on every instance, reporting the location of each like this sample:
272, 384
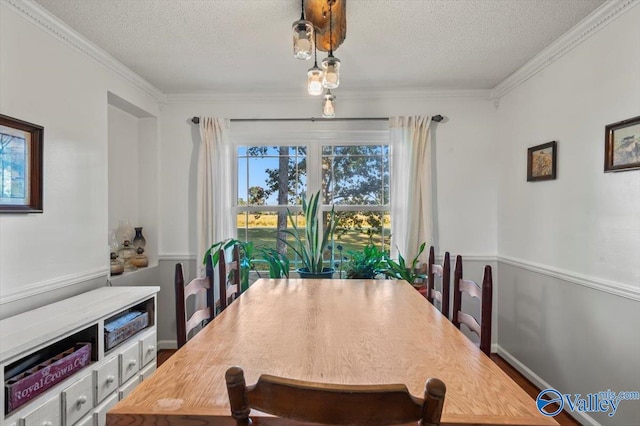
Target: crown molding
54, 26
597, 20
212, 97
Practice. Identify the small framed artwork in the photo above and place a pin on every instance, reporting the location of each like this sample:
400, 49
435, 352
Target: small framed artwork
541, 162
20, 166
622, 145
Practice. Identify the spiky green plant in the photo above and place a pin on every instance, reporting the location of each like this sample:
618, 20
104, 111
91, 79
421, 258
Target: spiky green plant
307, 243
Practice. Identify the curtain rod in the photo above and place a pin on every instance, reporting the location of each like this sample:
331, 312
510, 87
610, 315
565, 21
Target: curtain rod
437, 118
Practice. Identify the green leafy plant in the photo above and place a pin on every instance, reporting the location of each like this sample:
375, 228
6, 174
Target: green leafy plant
278, 262
246, 250
400, 270
365, 264
307, 242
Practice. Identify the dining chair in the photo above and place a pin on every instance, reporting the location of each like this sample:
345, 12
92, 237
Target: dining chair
187, 296
443, 272
228, 277
484, 294
333, 403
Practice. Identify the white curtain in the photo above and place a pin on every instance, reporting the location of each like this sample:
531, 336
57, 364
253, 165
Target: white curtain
411, 204
215, 180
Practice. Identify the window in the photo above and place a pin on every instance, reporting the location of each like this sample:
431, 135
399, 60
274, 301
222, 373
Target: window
352, 174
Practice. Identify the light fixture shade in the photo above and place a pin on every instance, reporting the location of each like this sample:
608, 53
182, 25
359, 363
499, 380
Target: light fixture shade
314, 81
329, 105
331, 76
303, 44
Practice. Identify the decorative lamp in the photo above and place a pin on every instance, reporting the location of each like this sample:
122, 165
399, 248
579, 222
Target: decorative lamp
303, 42
331, 68
126, 253
314, 77
331, 64
329, 105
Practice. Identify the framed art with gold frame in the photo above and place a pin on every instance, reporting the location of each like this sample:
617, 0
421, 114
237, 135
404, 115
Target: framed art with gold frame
622, 145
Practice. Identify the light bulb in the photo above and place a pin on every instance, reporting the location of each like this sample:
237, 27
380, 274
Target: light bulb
331, 77
314, 81
329, 105
302, 39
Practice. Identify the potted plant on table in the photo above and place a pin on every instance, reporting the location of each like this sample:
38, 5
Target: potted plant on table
400, 270
307, 243
365, 264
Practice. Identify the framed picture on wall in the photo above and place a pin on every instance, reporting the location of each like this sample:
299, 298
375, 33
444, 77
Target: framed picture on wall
622, 145
541, 162
20, 166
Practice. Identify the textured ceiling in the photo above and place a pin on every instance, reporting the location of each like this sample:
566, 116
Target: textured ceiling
244, 46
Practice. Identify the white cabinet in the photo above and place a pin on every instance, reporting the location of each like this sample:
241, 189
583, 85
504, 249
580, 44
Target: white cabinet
77, 400
47, 414
85, 395
106, 379
129, 362
100, 413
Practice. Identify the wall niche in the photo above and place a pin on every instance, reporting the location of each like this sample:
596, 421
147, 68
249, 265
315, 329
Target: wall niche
133, 171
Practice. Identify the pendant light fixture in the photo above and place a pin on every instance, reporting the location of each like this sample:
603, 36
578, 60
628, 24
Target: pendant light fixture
303, 37
330, 64
314, 75
329, 105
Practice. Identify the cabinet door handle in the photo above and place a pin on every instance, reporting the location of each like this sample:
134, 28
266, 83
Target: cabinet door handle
132, 363
81, 400
109, 380
47, 423
151, 349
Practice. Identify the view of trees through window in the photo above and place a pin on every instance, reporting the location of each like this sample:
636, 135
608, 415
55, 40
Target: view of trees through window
352, 178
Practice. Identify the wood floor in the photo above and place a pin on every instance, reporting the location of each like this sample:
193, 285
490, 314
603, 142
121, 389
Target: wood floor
562, 418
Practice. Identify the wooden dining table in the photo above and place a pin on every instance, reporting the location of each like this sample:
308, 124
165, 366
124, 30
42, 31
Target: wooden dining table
330, 331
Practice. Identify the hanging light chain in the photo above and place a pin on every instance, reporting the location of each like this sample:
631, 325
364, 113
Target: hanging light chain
330, 28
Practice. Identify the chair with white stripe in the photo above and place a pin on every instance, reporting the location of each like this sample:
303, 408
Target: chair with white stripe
443, 272
484, 294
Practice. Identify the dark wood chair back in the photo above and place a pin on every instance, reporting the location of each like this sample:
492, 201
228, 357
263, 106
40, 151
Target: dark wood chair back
484, 294
331, 403
443, 272
228, 277
185, 323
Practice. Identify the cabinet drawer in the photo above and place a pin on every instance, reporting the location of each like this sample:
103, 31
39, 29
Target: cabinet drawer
129, 362
146, 372
106, 379
87, 421
100, 413
148, 349
129, 387
77, 400
47, 414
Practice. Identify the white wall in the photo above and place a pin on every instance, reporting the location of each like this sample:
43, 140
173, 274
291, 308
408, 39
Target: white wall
465, 146
45, 81
465, 152
561, 240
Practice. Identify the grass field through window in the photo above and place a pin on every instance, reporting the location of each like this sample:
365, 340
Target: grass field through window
262, 230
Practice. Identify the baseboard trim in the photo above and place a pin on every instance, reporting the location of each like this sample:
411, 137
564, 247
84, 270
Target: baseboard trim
51, 285
611, 287
539, 382
167, 344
